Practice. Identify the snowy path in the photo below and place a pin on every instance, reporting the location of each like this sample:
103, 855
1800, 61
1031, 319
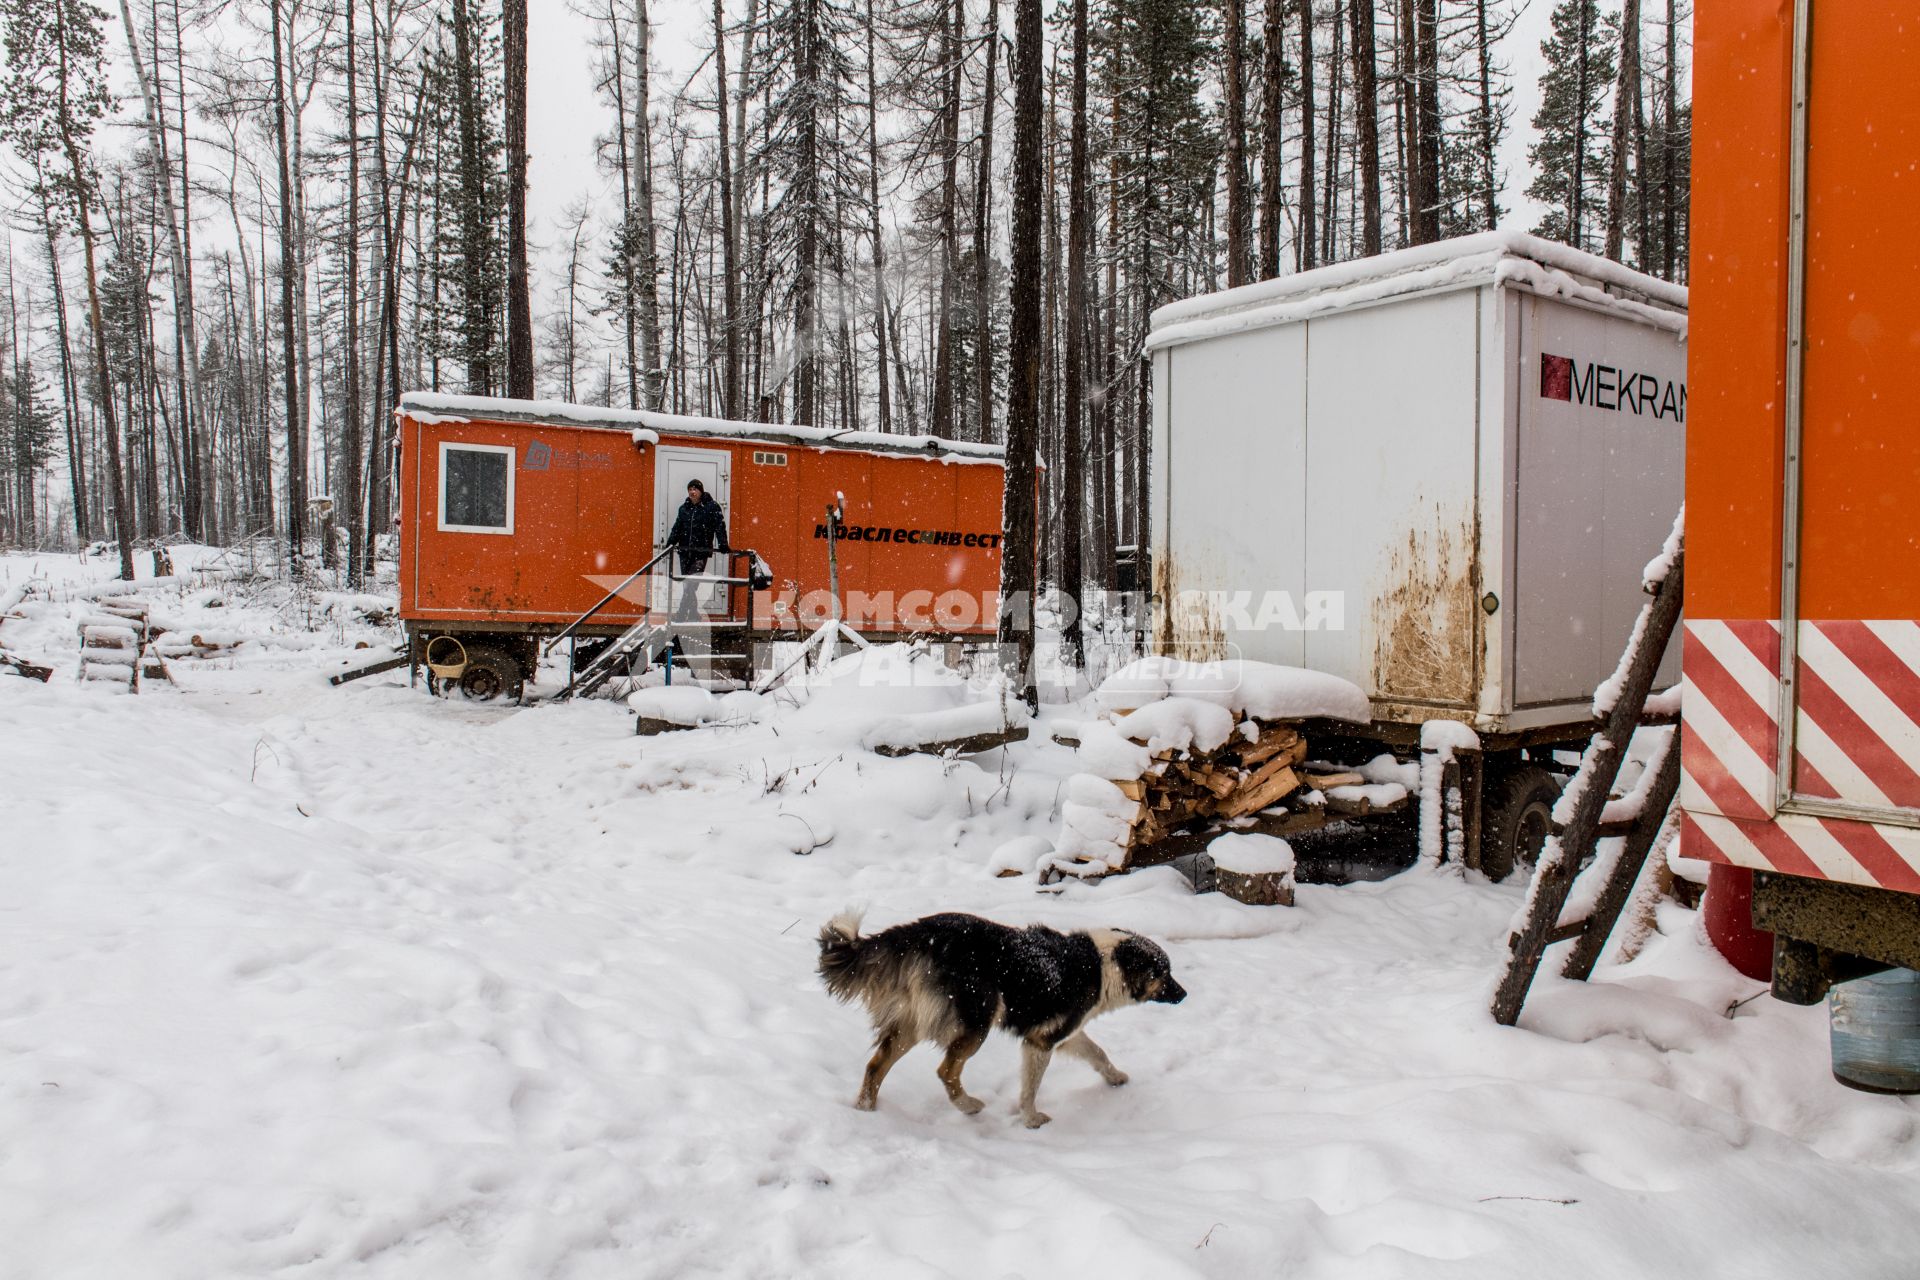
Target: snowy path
319, 982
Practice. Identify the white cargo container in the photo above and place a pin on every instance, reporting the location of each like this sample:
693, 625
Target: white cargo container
1474, 446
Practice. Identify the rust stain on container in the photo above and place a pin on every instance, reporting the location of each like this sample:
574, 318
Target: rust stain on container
1187, 625
1424, 629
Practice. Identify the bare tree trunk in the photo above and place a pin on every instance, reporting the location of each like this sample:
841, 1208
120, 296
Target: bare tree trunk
1625, 95
1489, 162
1073, 518
1336, 82
1239, 213
629, 265
1309, 238
983, 234
943, 409
69, 374
349, 504
163, 183
729, 243
1366, 102
519, 304
1668, 145
1272, 82
1428, 102
289, 263
1023, 342
874, 230
643, 207
1577, 196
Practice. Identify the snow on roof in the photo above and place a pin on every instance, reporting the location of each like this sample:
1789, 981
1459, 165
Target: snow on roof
1490, 257
430, 407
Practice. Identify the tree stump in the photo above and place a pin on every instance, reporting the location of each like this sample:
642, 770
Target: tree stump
1257, 888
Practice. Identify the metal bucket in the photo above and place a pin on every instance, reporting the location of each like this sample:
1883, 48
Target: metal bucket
1876, 1032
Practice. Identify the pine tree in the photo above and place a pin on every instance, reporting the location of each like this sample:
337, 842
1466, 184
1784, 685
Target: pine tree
1570, 158
29, 435
807, 83
467, 105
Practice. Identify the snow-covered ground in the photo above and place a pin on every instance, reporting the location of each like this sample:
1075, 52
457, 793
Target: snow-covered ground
352, 982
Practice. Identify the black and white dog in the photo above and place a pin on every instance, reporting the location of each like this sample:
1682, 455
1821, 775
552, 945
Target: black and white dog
951, 978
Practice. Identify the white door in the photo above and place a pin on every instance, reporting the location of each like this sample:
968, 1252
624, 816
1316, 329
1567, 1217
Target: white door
673, 467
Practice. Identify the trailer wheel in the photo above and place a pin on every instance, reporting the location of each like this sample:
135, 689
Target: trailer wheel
491, 675
1519, 817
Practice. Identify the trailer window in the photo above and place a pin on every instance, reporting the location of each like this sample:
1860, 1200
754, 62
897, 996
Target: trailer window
476, 488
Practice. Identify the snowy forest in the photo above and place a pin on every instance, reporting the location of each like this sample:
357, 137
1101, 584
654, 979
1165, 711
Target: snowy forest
236, 231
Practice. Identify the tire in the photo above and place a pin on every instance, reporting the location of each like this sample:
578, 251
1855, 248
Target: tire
492, 675
1518, 818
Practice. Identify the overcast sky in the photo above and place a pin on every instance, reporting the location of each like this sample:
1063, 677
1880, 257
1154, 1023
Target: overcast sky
566, 114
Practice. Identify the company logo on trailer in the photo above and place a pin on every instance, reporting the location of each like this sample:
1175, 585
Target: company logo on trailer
542, 457
1605, 387
929, 537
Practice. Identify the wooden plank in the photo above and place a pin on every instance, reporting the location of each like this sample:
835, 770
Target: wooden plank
398, 658
1328, 781
972, 744
1619, 886
31, 670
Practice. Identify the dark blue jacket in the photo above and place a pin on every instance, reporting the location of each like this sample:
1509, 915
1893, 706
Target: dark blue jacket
698, 529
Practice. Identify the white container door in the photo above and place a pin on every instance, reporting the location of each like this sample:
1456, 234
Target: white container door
1391, 497
674, 466
1231, 495
1599, 474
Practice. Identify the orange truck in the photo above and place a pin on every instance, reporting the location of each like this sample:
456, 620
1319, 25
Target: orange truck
530, 520
1801, 721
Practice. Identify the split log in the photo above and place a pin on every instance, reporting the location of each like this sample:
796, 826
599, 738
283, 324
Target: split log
1276, 788
1258, 889
1275, 739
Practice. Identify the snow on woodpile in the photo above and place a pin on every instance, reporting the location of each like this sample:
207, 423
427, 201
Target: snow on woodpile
1259, 690
1188, 743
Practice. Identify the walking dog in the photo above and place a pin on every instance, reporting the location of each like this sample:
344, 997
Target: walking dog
951, 978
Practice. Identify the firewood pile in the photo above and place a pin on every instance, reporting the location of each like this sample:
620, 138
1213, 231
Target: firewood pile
1116, 824
1232, 781
1183, 747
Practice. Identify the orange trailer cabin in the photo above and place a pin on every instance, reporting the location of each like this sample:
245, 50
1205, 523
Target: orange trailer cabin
517, 517
1801, 720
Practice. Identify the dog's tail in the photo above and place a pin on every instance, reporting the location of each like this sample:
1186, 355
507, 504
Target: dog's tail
840, 949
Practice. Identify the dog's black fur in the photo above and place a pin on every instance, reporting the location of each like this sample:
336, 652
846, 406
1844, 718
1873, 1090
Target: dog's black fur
951, 978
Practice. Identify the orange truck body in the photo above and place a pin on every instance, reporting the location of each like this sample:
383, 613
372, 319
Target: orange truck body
589, 497
1801, 721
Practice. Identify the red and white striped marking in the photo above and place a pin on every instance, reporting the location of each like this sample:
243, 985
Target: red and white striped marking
1856, 739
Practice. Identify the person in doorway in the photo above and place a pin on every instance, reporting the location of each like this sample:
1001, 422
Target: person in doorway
699, 530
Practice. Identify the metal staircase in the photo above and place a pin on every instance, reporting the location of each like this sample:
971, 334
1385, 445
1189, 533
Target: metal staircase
687, 642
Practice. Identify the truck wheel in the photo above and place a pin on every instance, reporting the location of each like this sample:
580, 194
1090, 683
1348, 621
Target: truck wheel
492, 675
1519, 817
